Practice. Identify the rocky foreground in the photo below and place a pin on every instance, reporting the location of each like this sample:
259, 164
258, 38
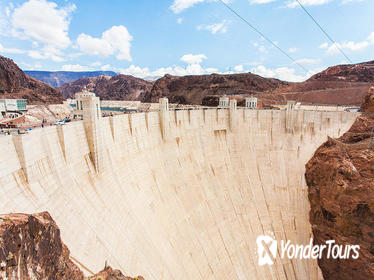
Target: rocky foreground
31, 248
340, 179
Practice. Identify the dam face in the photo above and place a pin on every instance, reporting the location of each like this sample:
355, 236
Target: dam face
176, 196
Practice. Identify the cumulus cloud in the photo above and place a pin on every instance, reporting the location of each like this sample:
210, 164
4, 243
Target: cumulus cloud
350, 45
292, 50
324, 46
10, 50
53, 54
239, 68
215, 27
193, 68
371, 38
42, 21
294, 4
193, 58
180, 5
117, 39
75, 67
179, 20
282, 73
260, 1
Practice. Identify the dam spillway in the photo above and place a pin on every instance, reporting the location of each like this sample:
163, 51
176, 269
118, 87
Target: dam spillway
179, 195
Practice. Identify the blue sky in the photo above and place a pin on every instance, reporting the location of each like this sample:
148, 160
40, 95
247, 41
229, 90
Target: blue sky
148, 38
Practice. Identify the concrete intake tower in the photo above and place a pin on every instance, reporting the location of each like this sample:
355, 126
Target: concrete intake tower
173, 194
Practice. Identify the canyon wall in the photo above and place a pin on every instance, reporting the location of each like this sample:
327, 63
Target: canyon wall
181, 195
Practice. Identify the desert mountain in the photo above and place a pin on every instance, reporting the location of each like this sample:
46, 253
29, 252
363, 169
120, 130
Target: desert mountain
14, 83
119, 87
203, 89
341, 84
58, 78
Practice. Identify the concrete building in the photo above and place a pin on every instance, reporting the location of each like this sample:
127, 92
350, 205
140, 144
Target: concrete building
251, 102
224, 103
12, 106
79, 97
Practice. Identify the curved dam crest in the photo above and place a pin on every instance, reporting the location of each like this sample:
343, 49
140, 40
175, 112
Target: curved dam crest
173, 195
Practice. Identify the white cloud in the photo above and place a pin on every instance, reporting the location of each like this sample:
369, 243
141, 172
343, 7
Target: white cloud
350, 1
191, 69
324, 46
261, 48
116, 39
294, 4
239, 68
282, 73
180, 5
307, 61
292, 50
351, 46
179, 20
42, 21
47, 53
10, 50
215, 28
95, 64
371, 38
106, 67
260, 1
75, 67
193, 58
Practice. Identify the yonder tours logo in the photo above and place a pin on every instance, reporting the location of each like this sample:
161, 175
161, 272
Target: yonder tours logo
267, 248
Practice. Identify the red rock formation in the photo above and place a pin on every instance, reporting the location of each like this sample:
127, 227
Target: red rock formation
368, 105
360, 72
195, 89
31, 248
340, 179
119, 87
16, 84
110, 274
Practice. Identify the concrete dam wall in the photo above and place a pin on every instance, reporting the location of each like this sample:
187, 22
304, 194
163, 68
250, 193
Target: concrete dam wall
173, 195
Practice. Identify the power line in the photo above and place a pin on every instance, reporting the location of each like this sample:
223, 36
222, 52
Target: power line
265, 37
324, 32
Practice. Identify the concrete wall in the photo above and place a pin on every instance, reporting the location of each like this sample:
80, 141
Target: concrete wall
186, 206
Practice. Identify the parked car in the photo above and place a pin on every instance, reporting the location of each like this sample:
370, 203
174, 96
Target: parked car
61, 122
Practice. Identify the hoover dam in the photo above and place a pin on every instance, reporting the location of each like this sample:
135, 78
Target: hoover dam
173, 194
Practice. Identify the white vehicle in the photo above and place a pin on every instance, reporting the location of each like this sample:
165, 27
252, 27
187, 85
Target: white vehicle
59, 122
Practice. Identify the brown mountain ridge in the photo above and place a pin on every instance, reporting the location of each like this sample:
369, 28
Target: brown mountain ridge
14, 83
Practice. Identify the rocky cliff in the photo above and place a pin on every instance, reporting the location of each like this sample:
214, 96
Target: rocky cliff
119, 87
14, 83
112, 274
360, 72
340, 179
31, 249
199, 89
